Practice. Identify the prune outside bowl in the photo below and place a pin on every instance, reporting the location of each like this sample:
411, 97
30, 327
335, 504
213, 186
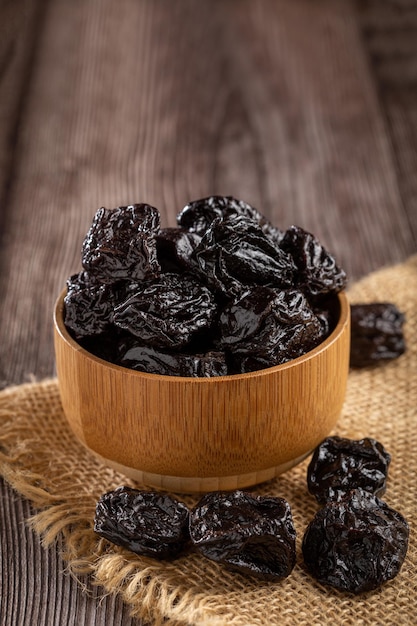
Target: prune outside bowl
202, 434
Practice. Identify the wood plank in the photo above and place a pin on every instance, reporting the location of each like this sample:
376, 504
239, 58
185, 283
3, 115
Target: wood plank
20, 25
390, 39
270, 100
35, 585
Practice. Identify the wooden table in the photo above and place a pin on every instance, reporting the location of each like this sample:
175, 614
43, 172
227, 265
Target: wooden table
307, 110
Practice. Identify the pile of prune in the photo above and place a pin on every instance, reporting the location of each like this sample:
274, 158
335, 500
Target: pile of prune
223, 292
356, 542
251, 534
376, 333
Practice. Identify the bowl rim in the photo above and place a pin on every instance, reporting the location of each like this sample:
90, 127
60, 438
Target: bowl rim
343, 321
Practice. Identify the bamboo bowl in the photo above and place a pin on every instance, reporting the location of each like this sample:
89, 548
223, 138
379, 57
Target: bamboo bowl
202, 434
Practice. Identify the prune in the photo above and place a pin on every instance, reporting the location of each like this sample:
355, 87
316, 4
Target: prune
88, 306
376, 333
339, 464
290, 328
167, 312
175, 247
121, 245
235, 253
318, 272
251, 534
147, 359
146, 522
243, 319
356, 544
197, 216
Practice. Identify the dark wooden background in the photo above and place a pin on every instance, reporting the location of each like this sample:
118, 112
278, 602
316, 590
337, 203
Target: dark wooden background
306, 109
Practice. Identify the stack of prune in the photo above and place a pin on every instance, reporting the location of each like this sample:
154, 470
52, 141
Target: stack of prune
250, 534
355, 542
224, 292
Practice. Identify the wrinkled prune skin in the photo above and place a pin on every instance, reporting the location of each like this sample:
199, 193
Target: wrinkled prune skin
339, 465
235, 253
251, 534
88, 306
146, 522
289, 328
153, 361
197, 216
175, 247
167, 312
318, 273
356, 544
121, 245
376, 333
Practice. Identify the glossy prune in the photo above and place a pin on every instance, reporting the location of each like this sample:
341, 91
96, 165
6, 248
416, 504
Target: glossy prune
289, 329
252, 534
235, 253
318, 272
197, 216
355, 544
167, 312
121, 245
376, 333
147, 359
146, 522
243, 318
339, 464
88, 306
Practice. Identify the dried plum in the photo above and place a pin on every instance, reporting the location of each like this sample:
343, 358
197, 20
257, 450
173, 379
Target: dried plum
376, 333
243, 319
289, 329
235, 253
146, 522
318, 272
197, 216
88, 306
356, 544
251, 534
339, 464
120, 244
147, 359
167, 312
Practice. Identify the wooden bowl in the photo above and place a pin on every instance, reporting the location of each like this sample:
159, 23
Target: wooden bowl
202, 434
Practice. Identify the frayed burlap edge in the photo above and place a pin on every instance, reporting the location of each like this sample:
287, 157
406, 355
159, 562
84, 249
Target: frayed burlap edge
41, 460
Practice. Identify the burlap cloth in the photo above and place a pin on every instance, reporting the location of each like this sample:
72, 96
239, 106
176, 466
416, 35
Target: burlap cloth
42, 460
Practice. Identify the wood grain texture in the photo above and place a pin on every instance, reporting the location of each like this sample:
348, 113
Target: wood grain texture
390, 37
20, 29
306, 110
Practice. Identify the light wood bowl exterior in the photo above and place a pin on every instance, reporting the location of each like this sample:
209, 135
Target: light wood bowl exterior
202, 434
